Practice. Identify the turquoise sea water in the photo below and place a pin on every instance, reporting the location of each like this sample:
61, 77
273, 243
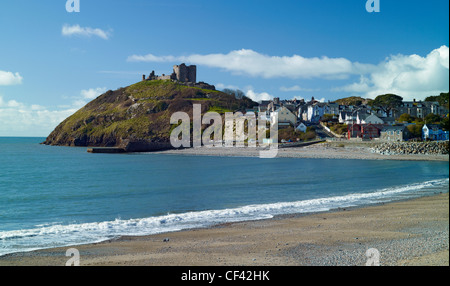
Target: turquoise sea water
58, 196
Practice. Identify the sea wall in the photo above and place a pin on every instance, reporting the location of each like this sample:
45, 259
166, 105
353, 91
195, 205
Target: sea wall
400, 148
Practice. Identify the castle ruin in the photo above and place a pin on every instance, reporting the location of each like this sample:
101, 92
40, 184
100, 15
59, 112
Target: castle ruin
181, 73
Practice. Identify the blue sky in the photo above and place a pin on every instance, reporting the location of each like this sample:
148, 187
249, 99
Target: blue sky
53, 62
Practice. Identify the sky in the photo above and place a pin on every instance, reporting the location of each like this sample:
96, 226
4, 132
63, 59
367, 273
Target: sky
54, 61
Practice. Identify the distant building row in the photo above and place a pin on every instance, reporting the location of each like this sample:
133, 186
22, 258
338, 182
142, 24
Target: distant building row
313, 111
395, 132
363, 122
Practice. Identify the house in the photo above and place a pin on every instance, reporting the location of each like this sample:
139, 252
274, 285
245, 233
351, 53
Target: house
371, 131
394, 133
316, 111
421, 109
388, 120
312, 111
364, 118
286, 117
364, 131
347, 117
263, 105
301, 127
333, 108
434, 132
354, 131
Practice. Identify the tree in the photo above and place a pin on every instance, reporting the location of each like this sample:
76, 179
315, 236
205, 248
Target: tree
432, 118
445, 124
239, 94
387, 103
415, 130
405, 117
443, 99
327, 117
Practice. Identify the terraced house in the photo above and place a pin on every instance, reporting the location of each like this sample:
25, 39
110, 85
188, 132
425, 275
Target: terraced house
394, 133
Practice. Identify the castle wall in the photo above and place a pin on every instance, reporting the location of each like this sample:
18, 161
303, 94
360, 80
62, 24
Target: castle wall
164, 77
181, 73
192, 74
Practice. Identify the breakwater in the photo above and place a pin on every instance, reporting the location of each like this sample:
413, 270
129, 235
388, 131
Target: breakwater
404, 148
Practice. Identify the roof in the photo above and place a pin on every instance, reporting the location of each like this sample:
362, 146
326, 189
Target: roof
363, 115
264, 102
393, 128
432, 126
378, 126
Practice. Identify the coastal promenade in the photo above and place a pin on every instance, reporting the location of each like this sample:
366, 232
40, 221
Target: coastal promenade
323, 150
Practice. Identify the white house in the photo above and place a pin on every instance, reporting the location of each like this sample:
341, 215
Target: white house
316, 111
347, 117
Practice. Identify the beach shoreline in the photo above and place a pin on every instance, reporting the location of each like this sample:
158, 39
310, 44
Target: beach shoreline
410, 232
327, 150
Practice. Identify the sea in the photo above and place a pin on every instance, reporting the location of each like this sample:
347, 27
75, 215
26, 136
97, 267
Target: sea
64, 196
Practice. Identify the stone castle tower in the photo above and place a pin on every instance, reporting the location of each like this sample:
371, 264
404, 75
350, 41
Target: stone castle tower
185, 73
181, 73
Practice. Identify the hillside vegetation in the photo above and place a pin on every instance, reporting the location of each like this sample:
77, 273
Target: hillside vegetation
139, 113
354, 100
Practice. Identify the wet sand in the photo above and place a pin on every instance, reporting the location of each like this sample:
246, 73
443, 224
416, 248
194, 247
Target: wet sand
413, 232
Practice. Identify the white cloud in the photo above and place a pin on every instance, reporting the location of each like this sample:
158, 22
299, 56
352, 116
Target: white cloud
153, 58
297, 88
92, 93
249, 92
410, 76
221, 86
9, 78
255, 96
77, 30
20, 119
321, 100
249, 62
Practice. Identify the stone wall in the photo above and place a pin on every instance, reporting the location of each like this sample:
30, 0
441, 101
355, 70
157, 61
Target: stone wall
404, 148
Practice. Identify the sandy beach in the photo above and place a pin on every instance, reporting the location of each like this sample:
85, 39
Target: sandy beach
326, 150
413, 232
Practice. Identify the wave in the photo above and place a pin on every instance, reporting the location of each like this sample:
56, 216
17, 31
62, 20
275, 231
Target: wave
54, 235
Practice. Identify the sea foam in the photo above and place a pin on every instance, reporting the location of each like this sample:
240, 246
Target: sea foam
58, 235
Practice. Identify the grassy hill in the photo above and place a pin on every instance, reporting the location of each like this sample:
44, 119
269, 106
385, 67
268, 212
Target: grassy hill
139, 113
353, 100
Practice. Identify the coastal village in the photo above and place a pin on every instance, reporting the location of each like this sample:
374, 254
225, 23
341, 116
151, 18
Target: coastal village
409, 121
